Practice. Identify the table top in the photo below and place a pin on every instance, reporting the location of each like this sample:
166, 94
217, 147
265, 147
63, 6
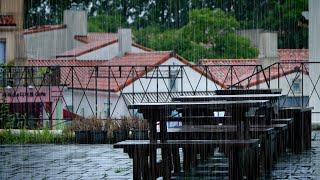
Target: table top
147, 143
214, 129
302, 109
248, 91
201, 104
229, 97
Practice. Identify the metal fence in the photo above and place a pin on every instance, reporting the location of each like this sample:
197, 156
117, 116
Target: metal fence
52, 95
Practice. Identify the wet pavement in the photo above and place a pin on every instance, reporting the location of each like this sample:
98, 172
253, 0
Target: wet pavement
104, 162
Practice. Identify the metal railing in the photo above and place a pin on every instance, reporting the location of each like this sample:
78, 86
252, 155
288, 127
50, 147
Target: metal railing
53, 94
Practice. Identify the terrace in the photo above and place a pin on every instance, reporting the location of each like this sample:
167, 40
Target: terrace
190, 120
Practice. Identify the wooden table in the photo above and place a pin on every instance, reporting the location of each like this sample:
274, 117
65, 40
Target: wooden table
247, 91
158, 112
269, 113
155, 112
237, 97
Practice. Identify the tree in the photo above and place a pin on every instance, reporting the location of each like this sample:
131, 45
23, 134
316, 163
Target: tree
208, 34
106, 23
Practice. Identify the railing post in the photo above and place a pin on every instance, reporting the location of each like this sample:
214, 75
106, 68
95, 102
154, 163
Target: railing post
133, 84
302, 104
231, 68
181, 80
72, 85
49, 87
96, 89
26, 91
169, 76
206, 67
157, 83
278, 75
269, 85
109, 93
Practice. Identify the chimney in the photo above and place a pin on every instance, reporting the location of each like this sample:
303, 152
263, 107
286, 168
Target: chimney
125, 41
252, 34
265, 41
268, 48
76, 20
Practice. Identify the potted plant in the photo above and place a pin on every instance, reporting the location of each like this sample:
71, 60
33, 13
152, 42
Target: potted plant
119, 130
97, 131
139, 129
82, 132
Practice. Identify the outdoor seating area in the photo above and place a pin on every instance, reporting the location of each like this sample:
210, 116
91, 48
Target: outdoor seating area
253, 132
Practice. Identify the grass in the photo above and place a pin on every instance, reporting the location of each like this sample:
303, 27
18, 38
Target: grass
120, 169
36, 137
316, 127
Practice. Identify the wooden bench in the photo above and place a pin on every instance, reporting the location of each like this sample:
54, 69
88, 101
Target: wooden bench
281, 137
235, 150
301, 126
289, 123
214, 132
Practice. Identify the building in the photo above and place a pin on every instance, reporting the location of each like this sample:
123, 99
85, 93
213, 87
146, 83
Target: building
287, 74
11, 27
92, 89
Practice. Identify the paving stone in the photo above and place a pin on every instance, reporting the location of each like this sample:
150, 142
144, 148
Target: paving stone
104, 162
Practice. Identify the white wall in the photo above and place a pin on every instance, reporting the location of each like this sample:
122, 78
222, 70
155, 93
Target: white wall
46, 44
107, 52
118, 107
286, 81
190, 79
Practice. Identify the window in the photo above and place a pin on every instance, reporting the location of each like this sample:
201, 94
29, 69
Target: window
2, 51
106, 108
296, 85
173, 80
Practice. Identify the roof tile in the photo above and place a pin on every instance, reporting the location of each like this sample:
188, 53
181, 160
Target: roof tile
220, 69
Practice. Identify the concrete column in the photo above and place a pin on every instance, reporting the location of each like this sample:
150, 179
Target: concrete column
76, 21
125, 41
314, 55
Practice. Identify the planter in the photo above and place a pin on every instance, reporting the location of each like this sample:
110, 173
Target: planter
120, 135
83, 137
139, 135
98, 137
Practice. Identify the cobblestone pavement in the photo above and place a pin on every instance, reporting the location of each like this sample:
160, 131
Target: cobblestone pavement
104, 162
64, 162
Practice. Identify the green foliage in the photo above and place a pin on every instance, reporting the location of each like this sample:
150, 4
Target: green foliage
277, 15
208, 34
207, 25
106, 23
24, 136
282, 16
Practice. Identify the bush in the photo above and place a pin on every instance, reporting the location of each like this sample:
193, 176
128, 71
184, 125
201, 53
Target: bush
37, 137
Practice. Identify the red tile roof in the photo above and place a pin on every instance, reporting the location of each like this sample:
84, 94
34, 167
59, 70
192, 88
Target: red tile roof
220, 68
44, 28
84, 74
84, 77
7, 20
93, 42
293, 54
92, 37
83, 49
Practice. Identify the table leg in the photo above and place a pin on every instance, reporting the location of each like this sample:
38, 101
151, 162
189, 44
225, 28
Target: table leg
136, 164
176, 160
235, 164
